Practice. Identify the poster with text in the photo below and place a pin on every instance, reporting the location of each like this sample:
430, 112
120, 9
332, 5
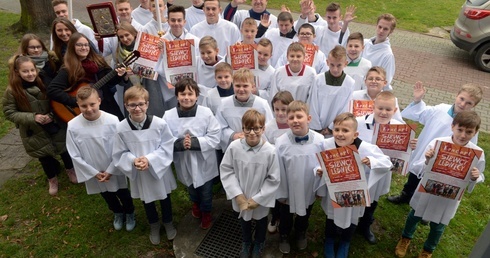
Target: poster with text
361, 107
179, 61
448, 173
243, 56
147, 45
394, 141
344, 176
310, 53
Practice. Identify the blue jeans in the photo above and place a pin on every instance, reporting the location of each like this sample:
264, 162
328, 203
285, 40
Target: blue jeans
260, 230
203, 196
435, 233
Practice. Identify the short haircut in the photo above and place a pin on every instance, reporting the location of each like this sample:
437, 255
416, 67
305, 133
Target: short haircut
57, 2
243, 75
249, 21
296, 46
265, 42
332, 7
388, 17
298, 105
307, 26
386, 95
473, 90
467, 119
253, 117
204, 3
116, 2
223, 67
346, 116
356, 36
85, 92
208, 41
176, 9
136, 91
377, 69
338, 53
284, 96
285, 16
124, 25
186, 83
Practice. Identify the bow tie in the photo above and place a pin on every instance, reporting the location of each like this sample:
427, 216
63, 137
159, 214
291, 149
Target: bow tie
301, 139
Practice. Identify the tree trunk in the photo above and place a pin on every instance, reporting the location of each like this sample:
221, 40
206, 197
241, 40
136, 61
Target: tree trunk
36, 16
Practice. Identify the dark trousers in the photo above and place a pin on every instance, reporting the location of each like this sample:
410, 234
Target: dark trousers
276, 212
152, 213
368, 217
332, 230
260, 230
120, 201
300, 223
51, 166
411, 184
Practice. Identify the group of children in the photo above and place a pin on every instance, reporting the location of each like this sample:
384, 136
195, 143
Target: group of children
261, 141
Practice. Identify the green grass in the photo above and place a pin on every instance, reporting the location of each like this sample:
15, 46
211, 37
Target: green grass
414, 15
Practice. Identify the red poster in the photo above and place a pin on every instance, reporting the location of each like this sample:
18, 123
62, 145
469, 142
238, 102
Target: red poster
242, 56
341, 165
179, 53
148, 47
453, 160
310, 52
394, 137
361, 107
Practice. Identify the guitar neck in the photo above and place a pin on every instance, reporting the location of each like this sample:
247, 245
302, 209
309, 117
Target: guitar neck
104, 80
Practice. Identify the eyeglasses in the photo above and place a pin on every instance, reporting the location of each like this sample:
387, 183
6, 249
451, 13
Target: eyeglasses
133, 106
250, 129
372, 79
35, 47
80, 45
306, 34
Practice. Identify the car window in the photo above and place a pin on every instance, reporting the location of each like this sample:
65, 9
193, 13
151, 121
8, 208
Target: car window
476, 2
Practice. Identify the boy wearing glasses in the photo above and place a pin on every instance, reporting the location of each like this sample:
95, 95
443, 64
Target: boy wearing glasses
232, 108
143, 151
250, 177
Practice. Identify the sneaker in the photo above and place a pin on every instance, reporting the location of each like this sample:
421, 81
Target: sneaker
196, 212
53, 186
301, 241
284, 246
170, 230
118, 221
272, 226
130, 222
155, 233
425, 254
245, 252
257, 251
401, 247
71, 175
206, 220
399, 199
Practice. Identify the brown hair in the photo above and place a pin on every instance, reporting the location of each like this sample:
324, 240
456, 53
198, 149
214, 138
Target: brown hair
223, 67
24, 45
176, 9
468, 119
285, 16
136, 91
307, 26
265, 42
57, 2
346, 116
473, 90
252, 117
332, 7
85, 92
186, 83
15, 82
296, 46
208, 41
249, 21
388, 17
298, 105
378, 69
284, 96
338, 53
73, 64
57, 42
356, 36
244, 75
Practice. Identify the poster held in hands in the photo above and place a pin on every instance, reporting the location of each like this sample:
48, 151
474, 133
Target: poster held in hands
147, 45
361, 107
179, 61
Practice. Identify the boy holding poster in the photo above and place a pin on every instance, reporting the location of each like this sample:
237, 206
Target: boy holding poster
207, 61
296, 151
374, 162
453, 163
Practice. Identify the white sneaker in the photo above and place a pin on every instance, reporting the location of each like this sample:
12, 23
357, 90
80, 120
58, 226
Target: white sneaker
53, 186
272, 226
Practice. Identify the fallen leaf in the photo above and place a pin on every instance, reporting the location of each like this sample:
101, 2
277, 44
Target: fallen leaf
4, 218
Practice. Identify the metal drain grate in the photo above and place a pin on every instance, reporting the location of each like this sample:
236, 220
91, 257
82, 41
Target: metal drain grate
224, 239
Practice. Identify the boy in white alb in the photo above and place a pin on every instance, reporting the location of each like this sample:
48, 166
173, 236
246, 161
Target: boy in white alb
194, 14
142, 14
207, 61
378, 48
143, 151
265, 71
250, 177
232, 108
296, 151
223, 75
331, 92
152, 27
281, 37
177, 20
295, 77
198, 134
357, 66
89, 140
263, 18
226, 33
337, 31
437, 209
344, 220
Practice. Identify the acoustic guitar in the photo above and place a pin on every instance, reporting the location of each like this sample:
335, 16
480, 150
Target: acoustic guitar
67, 113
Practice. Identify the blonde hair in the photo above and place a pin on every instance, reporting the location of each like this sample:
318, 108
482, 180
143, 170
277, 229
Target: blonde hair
85, 92
346, 116
473, 90
223, 67
378, 69
298, 105
244, 75
296, 47
134, 92
389, 18
338, 53
385, 95
208, 41
249, 21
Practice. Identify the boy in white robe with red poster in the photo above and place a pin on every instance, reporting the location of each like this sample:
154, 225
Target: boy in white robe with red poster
439, 208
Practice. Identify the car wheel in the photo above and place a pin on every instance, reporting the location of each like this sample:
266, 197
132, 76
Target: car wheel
482, 57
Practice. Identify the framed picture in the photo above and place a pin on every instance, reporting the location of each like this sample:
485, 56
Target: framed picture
104, 19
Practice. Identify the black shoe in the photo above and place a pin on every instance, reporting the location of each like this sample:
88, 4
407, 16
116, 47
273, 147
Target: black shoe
398, 199
369, 235
424, 222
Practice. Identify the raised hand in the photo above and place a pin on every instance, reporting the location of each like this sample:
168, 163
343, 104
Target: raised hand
264, 20
418, 92
284, 8
349, 14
